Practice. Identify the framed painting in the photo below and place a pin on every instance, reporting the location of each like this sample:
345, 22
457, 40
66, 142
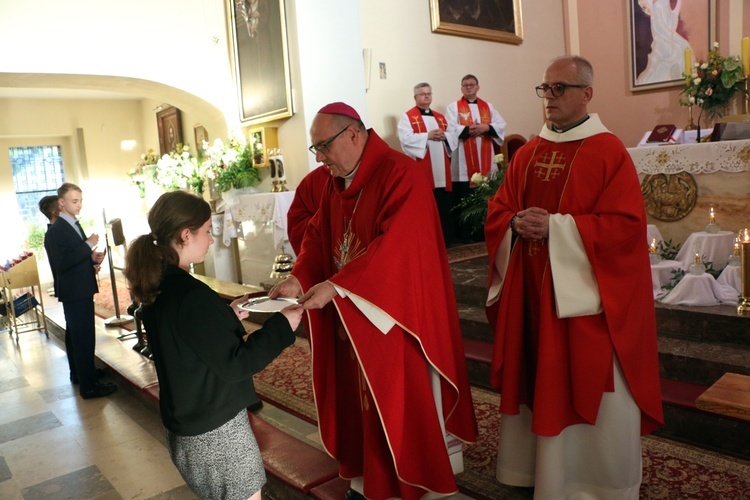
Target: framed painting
660, 32
169, 123
495, 20
260, 59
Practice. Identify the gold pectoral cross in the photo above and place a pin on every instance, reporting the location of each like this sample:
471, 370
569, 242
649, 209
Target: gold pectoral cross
548, 169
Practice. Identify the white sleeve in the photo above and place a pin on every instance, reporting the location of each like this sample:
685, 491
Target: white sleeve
377, 316
413, 144
573, 279
498, 123
454, 126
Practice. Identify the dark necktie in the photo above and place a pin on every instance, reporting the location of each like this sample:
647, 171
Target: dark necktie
80, 229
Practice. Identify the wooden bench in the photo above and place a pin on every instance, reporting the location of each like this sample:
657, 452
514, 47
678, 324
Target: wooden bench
729, 396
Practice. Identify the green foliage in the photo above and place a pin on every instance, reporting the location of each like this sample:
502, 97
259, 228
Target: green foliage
239, 174
35, 240
472, 210
667, 250
713, 83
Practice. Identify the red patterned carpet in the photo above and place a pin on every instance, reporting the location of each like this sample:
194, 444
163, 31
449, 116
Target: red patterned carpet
671, 470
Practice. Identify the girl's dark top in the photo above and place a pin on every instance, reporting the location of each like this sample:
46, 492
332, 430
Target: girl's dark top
204, 367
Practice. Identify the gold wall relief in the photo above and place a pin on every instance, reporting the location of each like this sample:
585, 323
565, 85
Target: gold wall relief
669, 197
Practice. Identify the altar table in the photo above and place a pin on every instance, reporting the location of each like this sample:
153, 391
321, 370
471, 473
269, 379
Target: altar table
259, 208
698, 158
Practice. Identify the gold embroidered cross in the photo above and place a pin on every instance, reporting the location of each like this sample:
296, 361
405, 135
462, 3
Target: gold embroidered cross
550, 169
534, 247
418, 122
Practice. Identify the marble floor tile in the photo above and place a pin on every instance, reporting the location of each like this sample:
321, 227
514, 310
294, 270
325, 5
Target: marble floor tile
84, 483
16, 429
10, 384
20, 403
44, 455
4, 470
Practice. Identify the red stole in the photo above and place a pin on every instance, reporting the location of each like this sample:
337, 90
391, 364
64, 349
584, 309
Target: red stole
418, 126
476, 160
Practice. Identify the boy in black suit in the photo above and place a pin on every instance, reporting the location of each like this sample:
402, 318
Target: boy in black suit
73, 260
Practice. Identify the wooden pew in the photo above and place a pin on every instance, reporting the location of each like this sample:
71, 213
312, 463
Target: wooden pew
729, 396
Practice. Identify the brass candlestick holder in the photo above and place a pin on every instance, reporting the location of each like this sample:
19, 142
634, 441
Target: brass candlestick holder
691, 124
743, 309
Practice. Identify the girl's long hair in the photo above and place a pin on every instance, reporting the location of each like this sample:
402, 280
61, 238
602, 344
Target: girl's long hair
149, 254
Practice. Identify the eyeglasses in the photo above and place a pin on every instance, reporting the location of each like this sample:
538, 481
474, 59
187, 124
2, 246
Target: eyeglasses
323, 148
557, 89
425, 94
469, 85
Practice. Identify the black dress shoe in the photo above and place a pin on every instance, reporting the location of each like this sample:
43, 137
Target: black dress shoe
99, 391
255, 406
99, 374
354, 495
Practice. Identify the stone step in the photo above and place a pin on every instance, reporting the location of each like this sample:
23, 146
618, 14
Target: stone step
700, 362
708, 324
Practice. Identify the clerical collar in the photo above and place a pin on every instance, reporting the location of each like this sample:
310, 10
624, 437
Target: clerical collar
470, 102
349, 178
554, 128
425, 112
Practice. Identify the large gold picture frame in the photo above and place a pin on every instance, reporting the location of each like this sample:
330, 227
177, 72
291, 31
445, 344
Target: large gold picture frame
693, 25
497, 21
260, 59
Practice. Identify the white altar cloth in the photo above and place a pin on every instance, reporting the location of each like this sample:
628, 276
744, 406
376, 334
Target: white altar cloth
700, 290
699, 158
730, 276
712, 247
259, 208
661, 274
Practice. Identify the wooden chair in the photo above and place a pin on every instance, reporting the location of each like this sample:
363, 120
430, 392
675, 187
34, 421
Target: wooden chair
512, 143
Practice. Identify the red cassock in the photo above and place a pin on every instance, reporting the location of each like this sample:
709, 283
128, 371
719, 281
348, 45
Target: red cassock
305, 204
561, 367
379, 241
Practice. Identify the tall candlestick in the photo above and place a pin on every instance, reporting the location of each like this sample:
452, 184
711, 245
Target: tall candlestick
688, 61
744, 301
746, 56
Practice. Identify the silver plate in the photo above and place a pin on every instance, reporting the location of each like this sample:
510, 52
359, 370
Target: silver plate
266, 304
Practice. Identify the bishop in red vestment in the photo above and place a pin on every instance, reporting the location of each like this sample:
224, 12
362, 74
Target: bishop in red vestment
305, 204
575, 357
389, 373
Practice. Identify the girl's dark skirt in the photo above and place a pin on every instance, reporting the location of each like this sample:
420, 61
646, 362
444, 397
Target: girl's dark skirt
223, 463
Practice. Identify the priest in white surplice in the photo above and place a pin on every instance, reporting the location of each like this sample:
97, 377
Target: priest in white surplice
424, 136
479, 127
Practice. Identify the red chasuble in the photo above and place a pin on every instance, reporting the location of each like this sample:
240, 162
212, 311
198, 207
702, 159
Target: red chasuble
561, 367
378, 241
418, 126
476, 160
304, 205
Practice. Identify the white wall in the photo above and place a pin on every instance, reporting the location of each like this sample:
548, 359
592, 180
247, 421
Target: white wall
399, 34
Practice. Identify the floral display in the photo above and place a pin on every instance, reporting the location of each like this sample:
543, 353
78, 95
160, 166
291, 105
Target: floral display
472, 210
231, 164
713, 83
143, 171
180, 170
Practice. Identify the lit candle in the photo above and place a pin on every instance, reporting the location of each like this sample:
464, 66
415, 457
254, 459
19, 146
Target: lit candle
711, 215
746, 56
736, 246
653, 245
688, 61
744, 303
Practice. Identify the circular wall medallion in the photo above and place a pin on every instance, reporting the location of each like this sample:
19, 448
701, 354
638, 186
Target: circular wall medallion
669, 197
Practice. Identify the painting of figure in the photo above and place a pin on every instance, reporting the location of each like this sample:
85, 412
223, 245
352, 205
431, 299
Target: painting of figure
496, 20
661, 32
261, 61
